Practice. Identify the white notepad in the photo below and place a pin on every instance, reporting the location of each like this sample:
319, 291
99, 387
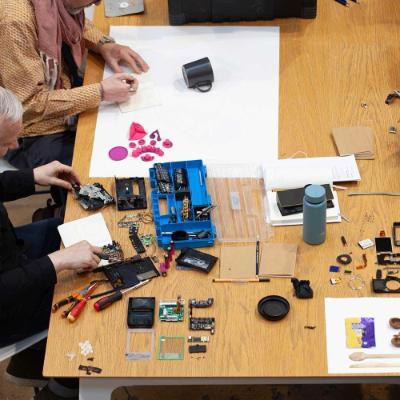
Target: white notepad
92, 228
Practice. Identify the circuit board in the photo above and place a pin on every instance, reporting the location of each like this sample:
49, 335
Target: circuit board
170, 312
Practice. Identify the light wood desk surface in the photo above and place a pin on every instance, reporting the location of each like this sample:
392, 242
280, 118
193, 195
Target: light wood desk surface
328, 67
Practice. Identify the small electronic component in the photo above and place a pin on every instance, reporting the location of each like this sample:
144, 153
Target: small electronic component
366, 243
343, 240
172, 310
131, 193
171, 348
344, 259
198, 339
201, 324
180, 180
92, 197
89, 369
185, 210
396, 233
113, 252
197, 348
391, 96
163, 179
388, 259
365, 262
392, 130
135, 240
335, 281
334, 268
196, 260
383, 244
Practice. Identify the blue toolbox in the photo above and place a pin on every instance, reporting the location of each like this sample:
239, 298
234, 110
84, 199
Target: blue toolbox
181, 204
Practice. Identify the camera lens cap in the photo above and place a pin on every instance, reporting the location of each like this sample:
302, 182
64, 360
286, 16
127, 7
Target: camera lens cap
273, 308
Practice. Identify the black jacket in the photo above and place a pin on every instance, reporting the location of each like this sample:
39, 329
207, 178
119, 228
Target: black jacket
18, 275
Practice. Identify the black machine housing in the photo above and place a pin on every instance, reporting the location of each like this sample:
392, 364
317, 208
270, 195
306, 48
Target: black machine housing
185, 11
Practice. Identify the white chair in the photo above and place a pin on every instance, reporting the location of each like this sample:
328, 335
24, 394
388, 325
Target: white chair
15, 348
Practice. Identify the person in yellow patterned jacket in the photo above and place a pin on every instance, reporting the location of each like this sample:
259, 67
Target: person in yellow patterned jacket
42, 44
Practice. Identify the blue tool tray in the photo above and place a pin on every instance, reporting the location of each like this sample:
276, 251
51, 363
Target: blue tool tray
168, 198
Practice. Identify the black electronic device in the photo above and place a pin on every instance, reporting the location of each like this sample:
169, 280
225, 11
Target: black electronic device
396, 233
291, 201
131, 193
383, 244
195, 259
199, 75
129, 272
185, 11
380, 284
135, 240
141, 312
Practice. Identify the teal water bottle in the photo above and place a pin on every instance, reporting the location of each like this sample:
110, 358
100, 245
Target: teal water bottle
314, 214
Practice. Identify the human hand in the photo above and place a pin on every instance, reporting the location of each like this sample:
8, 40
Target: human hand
55, 174
119, 87
81, 255
115, 54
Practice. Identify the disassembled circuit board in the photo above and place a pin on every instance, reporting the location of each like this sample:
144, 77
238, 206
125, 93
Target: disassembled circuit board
92, 197
172, 310
201, 324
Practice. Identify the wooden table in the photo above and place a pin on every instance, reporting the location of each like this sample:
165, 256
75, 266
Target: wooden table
328, 67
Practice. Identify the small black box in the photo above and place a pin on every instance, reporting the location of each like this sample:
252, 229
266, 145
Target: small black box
141, 312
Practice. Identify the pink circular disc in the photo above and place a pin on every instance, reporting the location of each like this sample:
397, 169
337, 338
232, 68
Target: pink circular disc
141, 141
118, 153
147, 158
132, 145
153, 142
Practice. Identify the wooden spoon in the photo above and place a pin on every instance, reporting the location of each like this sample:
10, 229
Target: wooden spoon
360, 356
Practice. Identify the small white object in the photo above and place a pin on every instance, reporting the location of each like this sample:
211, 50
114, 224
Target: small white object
365, 243
235, 201
124, 4
70, 356
86, 348
335, 281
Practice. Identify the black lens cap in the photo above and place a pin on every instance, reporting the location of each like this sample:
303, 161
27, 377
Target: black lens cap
273, 308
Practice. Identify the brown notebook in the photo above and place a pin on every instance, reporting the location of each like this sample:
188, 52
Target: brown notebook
278, 259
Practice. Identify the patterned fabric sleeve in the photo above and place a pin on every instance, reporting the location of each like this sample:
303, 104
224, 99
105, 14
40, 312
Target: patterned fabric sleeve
92, 35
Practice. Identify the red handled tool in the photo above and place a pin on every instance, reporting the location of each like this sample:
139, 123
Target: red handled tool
107, 301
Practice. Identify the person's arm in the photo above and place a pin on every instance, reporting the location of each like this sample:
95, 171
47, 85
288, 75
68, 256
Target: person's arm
92, 36
22, 72
16, 184
39, 275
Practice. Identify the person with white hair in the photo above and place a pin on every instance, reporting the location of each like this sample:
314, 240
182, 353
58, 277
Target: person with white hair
30, 257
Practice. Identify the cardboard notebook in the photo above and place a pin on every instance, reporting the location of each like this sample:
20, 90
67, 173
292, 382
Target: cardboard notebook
358, 141
276, 260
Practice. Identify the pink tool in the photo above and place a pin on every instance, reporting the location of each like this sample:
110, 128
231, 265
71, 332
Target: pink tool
136, 131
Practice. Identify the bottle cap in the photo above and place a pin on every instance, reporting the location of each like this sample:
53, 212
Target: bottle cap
315, 194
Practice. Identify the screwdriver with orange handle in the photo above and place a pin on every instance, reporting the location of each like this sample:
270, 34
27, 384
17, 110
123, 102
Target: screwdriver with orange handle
107, 301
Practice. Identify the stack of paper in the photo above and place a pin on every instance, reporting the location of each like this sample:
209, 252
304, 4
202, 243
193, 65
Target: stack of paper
275, 218
358, 141
293, 173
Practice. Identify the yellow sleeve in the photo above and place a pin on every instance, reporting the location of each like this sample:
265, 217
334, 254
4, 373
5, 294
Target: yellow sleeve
22, 72
92, 35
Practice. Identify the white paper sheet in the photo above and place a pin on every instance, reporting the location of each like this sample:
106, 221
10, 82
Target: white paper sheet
381, 309
236, 122
275, 218
293, 173
146, 97
92, 228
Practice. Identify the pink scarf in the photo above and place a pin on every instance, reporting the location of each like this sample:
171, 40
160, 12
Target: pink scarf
56, 25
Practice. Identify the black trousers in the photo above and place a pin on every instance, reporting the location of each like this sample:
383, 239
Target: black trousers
31, 313
40, 150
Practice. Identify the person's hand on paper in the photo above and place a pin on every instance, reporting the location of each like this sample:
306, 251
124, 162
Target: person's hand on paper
81, 255
115, 54
119, 87
56, 174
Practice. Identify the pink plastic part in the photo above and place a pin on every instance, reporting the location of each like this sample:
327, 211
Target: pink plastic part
167, 144
132, 145
147, 158
142, 142
136, 131
153, 142
155, 134
136, 153
118, 153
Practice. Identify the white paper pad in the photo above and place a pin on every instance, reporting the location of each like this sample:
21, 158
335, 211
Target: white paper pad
92, 228
146, 97
293, 173
236, 122
275, 218
381, 309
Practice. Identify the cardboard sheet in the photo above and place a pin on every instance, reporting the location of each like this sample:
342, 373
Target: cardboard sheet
336, 312
358, 141
236, 122
238, 262
278, 259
